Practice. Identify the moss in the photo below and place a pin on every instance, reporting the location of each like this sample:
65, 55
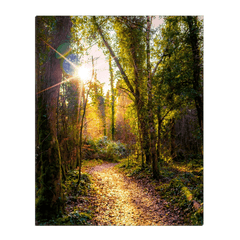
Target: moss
50, 200
187, 193
75, 216
70, 186
176, 193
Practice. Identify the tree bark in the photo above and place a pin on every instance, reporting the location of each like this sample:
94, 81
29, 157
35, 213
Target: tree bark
85, 100
159, 134
112, 93
50, 196
173, 136
154, 159
193, 38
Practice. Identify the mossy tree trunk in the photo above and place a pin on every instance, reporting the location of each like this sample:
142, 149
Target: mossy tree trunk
49, 197
194, 42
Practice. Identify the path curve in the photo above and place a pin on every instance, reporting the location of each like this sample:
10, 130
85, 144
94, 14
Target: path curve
123, 201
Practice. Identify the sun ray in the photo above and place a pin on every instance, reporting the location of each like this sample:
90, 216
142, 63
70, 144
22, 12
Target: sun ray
66, 60
75, 66
56, 85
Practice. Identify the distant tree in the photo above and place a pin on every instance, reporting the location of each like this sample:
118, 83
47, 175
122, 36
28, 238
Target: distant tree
98, 100
113, 98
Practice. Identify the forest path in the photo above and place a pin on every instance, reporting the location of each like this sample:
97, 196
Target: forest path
125, 201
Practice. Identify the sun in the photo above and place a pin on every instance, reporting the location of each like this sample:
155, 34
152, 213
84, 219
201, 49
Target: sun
83, 73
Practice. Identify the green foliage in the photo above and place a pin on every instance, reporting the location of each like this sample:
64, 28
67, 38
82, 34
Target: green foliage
174, 84
106, 149
73, 218
76, 218
197, 217
132, 167
70, 185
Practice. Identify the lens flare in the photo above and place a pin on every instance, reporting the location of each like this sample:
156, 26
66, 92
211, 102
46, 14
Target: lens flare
64, 49
69, 64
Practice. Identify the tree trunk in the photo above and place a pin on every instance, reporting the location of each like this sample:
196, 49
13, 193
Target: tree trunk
49, 201
80, 141
141, 143
154, 159
193, 38
173, 135
85, 100
159, 135
112, 93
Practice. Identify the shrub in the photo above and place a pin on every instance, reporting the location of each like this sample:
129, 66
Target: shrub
105, 149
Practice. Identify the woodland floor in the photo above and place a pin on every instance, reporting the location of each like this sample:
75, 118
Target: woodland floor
125, 201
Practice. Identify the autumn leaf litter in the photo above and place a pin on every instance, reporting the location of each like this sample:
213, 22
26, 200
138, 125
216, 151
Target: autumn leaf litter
125, 201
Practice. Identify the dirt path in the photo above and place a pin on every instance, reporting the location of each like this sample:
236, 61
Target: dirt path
124, 201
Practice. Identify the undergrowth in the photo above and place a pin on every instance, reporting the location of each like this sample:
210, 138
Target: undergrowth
180, 184
105, 149
75, 213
